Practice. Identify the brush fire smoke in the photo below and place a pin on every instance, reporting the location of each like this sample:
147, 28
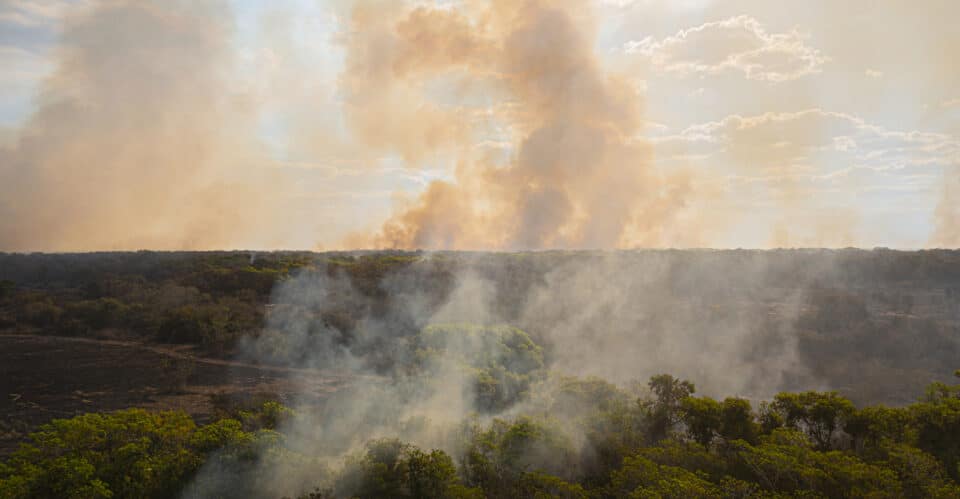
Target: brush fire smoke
579, 174
138, 141
134, 143
418, 356
520, 133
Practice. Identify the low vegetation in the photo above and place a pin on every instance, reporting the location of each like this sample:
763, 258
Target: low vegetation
844, 309
531, 432
591, 439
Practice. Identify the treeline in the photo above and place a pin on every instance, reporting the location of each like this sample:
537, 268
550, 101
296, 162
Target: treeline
207, 299
587, 439
876, 325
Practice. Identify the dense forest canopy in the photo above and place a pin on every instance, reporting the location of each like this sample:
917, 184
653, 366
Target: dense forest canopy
588, 439
501, 335
876, 325
800, 373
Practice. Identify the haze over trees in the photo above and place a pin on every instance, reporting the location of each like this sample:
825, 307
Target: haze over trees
664, 443
875, 325
506, 375
559, 137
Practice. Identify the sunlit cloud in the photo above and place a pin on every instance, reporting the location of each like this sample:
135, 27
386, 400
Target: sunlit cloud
739, 44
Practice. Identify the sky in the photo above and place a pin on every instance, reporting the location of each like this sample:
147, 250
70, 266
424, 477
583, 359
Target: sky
468, 124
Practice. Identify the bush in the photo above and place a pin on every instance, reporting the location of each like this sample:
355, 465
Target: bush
391, 468
131, 453
502, 360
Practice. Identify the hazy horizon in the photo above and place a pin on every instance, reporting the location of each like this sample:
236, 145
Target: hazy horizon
456, 124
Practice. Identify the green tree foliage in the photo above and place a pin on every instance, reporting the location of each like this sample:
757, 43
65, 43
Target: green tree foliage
541, 485
920, 473
41, 313
585, 439
391, 468
588, 437
870, 427
126, 454
502, 360
642, 478
130, 453
861, 305
819, 414
737, 420
611, 422
499, 459
937, 426
787, 462
705, 419
84, 316
702, 417
208, 299
665, 409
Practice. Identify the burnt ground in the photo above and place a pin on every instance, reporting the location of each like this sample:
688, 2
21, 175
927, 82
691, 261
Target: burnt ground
47, 377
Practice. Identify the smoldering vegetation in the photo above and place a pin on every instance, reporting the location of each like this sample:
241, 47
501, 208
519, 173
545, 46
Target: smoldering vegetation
746, 322
450, 349
505, 374
875, 324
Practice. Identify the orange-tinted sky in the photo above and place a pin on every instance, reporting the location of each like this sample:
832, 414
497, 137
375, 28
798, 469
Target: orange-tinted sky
469, 124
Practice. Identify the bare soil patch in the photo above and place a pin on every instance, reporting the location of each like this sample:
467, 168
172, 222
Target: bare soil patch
48, 377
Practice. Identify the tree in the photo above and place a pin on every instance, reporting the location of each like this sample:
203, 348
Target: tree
664, 411
819, 414
430, 474
702, 417
7, 288
391, 468
869, 427
643, 478
502, 361
920, 473
130, 453
541, 485
785, 462
937, 428
496, 459
736, 420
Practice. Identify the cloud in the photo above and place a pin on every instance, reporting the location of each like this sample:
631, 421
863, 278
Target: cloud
21, 71
671, 4
34, 13
806, 167
771, 141
617, 3
738, 44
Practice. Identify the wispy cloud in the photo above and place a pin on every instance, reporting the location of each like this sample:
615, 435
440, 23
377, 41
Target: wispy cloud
739, 44
34, 13
813, 150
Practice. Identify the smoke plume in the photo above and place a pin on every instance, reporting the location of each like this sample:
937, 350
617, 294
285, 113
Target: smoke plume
412, 344
577, 174
135, 143
497, 125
